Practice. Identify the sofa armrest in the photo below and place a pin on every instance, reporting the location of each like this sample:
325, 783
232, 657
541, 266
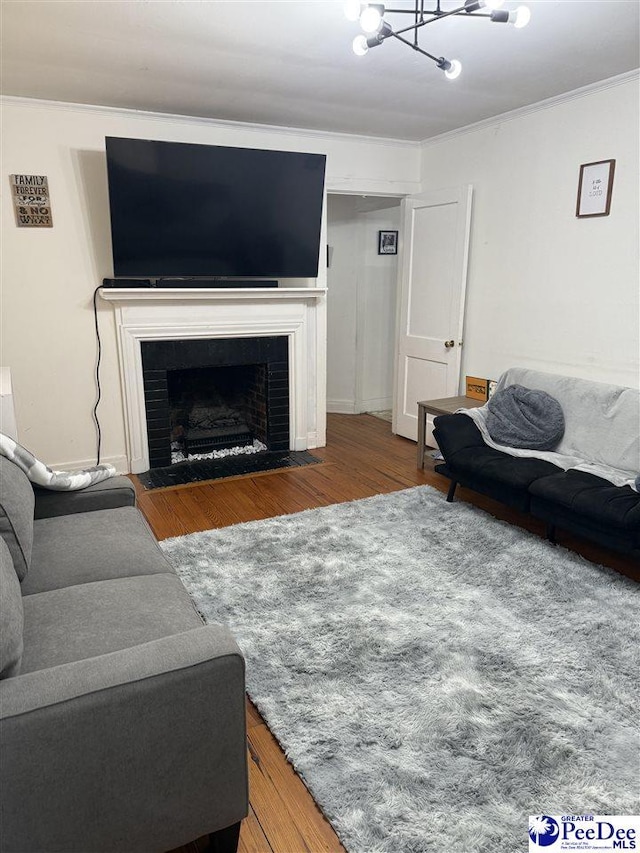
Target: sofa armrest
139, 749
454, 433
111, 493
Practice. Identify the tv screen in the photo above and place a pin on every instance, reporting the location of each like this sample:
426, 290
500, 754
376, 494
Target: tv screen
185, 210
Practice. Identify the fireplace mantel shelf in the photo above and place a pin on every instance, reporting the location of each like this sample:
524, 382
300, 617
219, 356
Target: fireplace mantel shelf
201, 294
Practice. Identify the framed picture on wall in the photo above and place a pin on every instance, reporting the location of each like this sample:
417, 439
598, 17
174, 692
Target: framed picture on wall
387, 242
594, 188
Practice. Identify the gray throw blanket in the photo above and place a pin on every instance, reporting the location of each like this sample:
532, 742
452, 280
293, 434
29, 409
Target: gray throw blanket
602, 425
525, 417
42, 475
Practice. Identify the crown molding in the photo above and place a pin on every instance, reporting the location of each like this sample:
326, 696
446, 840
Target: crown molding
252, 127
520, 112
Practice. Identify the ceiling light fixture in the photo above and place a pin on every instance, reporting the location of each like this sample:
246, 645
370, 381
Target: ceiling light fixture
377, 29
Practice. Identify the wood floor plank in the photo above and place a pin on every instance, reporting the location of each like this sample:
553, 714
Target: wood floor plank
312, 824
175, 517
284, 496
213, 510
245, 497
252, 837
253, 717
272, 811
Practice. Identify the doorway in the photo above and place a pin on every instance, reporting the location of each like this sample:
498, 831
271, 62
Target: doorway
361, 303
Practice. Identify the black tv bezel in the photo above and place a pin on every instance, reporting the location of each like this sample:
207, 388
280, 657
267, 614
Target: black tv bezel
165, 279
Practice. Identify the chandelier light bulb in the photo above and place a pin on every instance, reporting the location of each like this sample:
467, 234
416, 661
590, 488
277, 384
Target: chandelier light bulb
371, 19
360, 46
454, 70
522, 17
491, 4
352, 10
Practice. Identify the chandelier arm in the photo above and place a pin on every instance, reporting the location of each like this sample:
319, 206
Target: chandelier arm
415, 47
415, 27
411, 11
437, 14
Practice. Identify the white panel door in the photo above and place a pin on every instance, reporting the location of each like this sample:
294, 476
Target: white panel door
433, 277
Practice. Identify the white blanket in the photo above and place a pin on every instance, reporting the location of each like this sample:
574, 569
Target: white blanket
42, 475
602, 425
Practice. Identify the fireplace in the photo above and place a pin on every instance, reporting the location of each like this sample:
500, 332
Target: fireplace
206, 396
155, 315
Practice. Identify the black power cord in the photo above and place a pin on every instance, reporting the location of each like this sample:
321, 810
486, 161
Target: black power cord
98, 360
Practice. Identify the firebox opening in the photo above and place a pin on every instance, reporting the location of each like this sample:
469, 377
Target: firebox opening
213, 397
216, 408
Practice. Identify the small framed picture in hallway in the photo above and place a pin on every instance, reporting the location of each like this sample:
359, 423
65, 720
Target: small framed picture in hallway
387, 242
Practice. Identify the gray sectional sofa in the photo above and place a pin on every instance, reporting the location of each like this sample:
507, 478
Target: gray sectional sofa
122, 716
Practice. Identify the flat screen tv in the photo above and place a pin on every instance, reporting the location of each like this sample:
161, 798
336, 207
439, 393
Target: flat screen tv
186, 210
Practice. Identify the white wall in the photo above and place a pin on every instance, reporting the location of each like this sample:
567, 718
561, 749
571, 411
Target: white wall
49, 275
376, 313
547, 290
360, 304
343, 238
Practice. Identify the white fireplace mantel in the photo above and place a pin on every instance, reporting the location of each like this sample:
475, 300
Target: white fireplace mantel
152, 314
200, 294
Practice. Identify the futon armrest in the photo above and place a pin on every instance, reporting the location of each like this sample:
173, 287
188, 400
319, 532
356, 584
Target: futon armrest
139, 749
454, 433
111, 493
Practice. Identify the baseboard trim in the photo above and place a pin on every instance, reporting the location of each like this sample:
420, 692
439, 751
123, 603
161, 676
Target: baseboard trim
377, 404
312, 440
341, 407
120, 463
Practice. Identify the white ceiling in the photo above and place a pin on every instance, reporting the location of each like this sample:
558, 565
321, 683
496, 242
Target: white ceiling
290, 63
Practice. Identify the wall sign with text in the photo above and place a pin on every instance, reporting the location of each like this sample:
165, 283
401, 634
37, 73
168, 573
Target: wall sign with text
31, 203
595, 188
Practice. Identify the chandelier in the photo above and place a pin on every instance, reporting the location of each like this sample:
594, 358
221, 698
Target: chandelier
376, 29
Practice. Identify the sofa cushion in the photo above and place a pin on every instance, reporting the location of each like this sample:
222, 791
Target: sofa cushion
592, 498
87, 620
16, 514
92, 546
115, 492
496, 474
487, 463
455, 432
11, 615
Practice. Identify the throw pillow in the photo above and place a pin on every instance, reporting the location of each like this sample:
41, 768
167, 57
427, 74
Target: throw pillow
525, 418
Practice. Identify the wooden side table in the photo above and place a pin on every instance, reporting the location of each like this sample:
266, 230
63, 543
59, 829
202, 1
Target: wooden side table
445, 406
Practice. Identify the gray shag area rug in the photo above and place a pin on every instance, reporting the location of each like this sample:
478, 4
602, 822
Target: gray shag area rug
434, 675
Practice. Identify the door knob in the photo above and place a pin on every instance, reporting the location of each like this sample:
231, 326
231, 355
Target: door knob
449, 344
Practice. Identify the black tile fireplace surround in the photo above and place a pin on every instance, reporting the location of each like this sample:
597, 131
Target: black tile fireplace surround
268, 356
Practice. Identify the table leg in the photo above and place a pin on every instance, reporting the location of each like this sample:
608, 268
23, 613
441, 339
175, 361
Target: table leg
422, 417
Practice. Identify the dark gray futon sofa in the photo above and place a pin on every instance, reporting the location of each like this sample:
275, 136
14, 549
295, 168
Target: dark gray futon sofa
580, 486
122, 716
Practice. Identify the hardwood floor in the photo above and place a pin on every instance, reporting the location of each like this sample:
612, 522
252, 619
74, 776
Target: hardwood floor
362, 458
